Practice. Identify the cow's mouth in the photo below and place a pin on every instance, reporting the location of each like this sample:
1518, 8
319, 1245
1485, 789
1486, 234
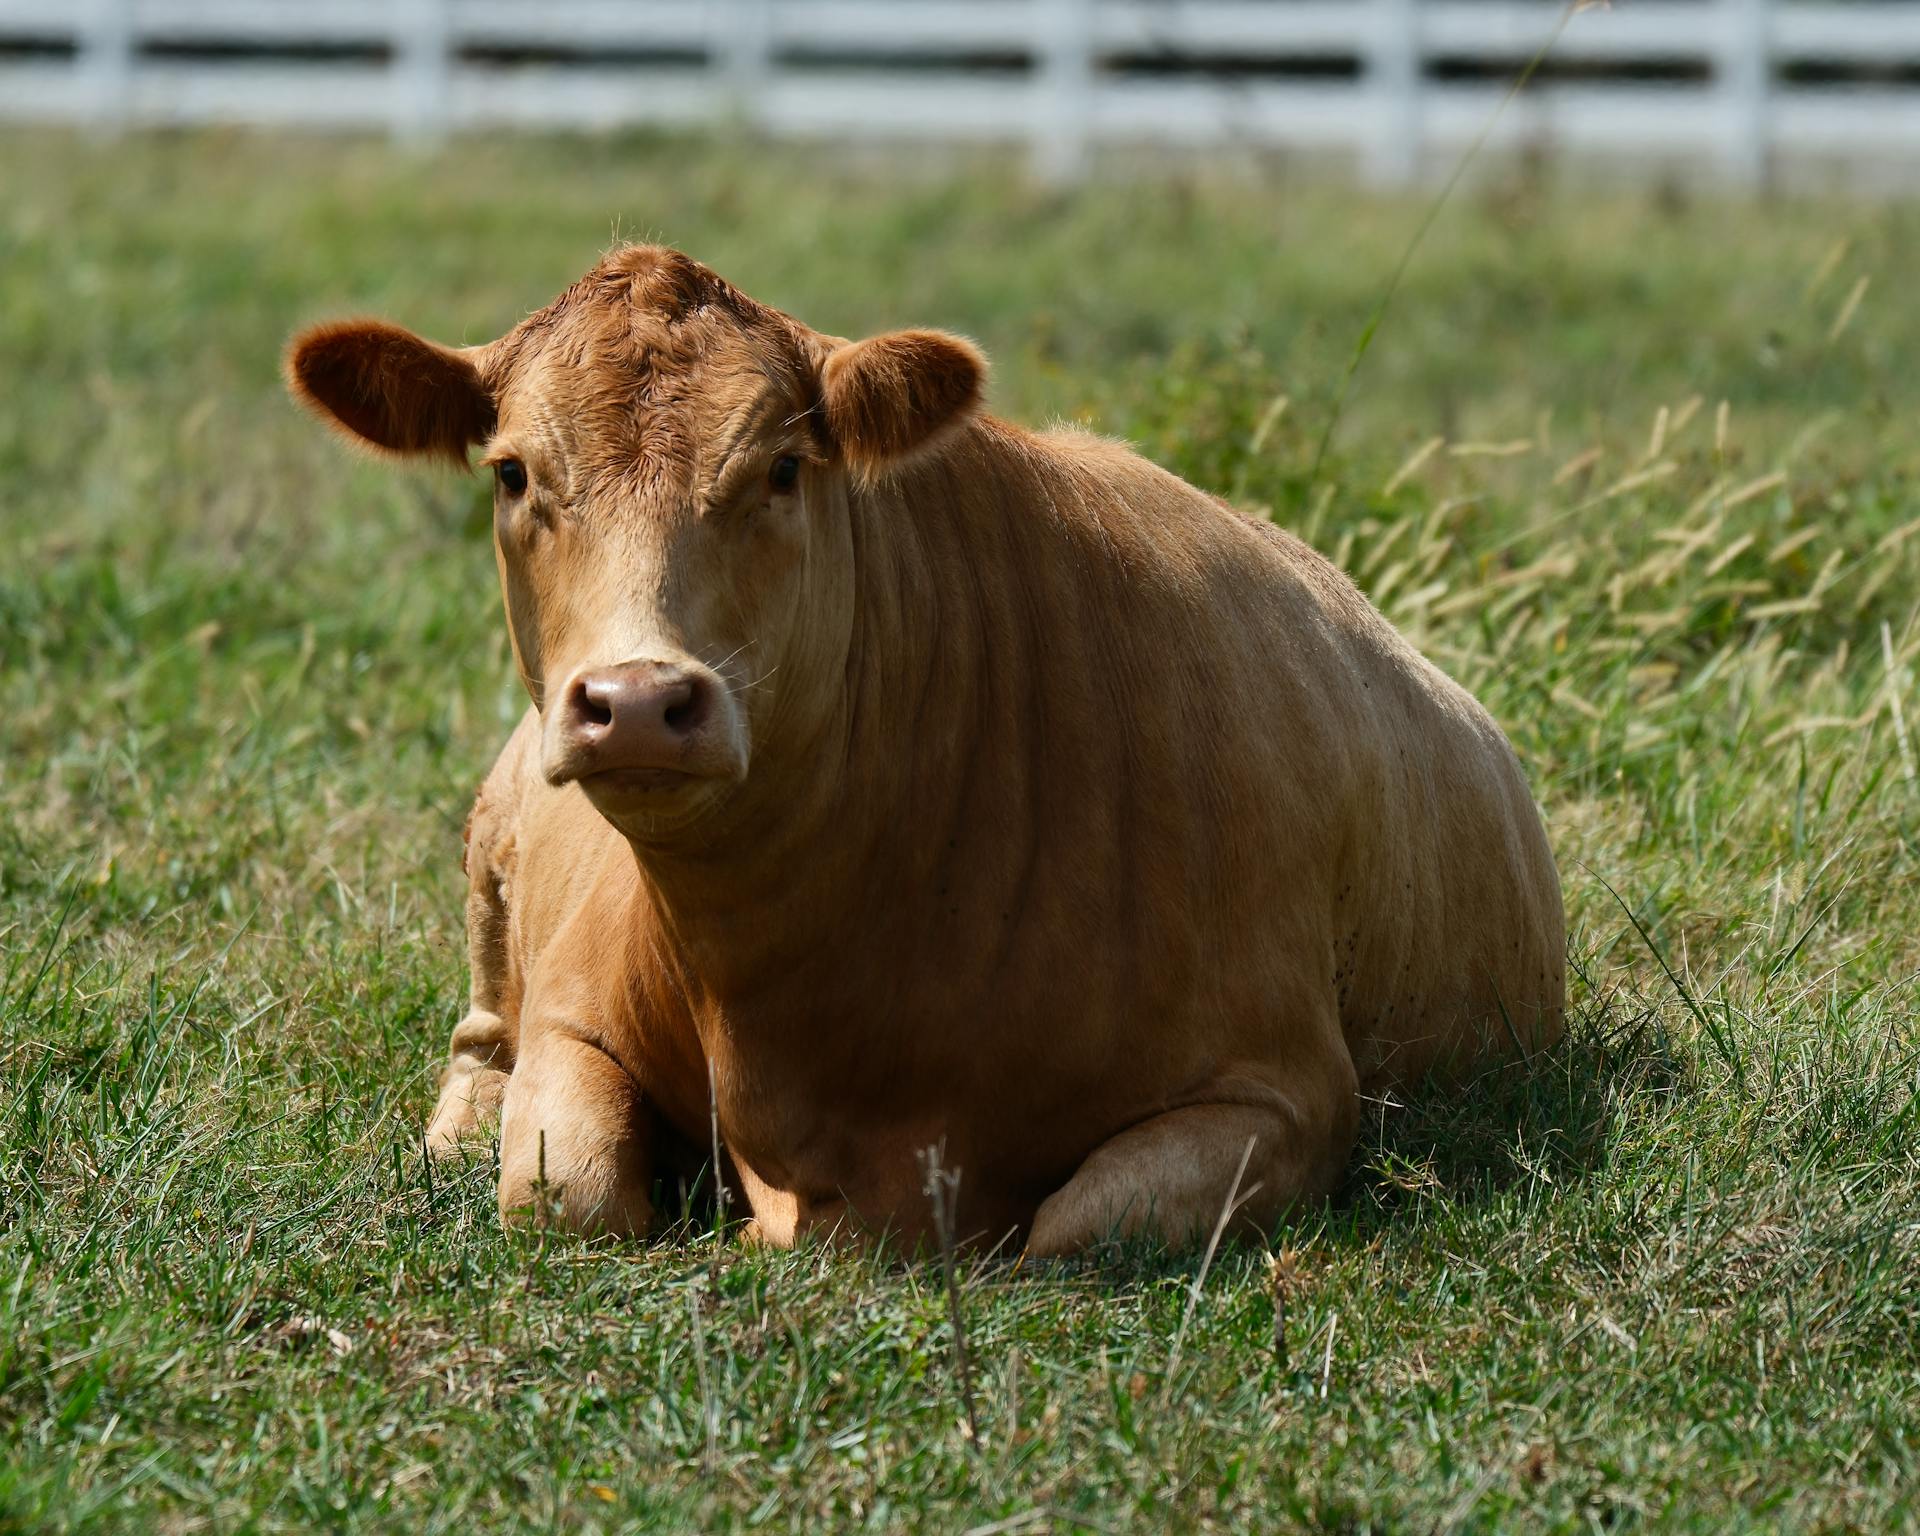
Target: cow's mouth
647, 804
623, 783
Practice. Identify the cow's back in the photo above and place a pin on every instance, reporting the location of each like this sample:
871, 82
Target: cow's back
1335, 752
1451, 939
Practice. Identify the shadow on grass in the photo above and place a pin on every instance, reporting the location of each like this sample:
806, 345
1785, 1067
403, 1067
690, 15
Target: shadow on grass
1428, 1151
1549, 1118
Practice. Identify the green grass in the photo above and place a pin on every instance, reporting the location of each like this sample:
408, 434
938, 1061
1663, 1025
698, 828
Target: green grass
1664, 1280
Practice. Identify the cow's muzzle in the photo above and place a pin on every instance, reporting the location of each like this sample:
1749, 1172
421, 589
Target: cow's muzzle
643, 727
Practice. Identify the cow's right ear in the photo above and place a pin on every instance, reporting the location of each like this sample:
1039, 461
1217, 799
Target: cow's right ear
391, 390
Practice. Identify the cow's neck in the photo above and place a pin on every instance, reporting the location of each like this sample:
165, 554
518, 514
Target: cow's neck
854, 834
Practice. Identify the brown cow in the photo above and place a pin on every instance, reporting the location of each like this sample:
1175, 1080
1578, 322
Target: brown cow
931, 780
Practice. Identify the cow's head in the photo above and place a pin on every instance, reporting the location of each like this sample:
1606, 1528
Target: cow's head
671, 518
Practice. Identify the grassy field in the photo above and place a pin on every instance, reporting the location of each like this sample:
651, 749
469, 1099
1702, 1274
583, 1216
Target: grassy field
1640, 471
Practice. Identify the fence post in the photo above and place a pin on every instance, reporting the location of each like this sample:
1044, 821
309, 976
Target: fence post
741, 56
422, 69
1063, 82
1745, 70
1391, 147
106, 60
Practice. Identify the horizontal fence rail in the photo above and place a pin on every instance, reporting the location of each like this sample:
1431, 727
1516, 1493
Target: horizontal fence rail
1402, 85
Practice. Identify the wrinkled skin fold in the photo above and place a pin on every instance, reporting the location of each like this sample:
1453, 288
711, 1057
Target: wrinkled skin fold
930, 780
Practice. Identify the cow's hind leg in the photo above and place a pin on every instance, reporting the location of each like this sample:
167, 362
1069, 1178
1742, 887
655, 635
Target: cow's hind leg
485, 1041
1170, 1177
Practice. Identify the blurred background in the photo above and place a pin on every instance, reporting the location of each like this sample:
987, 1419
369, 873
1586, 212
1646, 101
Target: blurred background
1749, 89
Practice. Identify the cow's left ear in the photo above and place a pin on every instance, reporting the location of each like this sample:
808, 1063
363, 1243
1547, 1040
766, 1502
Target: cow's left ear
890, 397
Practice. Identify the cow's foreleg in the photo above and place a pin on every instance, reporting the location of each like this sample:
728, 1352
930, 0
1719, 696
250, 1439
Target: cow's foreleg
474, 1082
1170, 1177
485, 1041
574, 1148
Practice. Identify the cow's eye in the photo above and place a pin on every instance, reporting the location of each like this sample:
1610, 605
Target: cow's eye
512, 475
785, 473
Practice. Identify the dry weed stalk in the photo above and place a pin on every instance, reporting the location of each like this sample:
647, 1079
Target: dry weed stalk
943, 1189
1283, 1283
1232, 1203
721, 1194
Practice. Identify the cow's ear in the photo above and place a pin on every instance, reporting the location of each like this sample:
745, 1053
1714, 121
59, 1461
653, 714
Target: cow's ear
390, 389
890, 397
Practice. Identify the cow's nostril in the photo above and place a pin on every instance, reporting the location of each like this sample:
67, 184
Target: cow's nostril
687, 708
588, 709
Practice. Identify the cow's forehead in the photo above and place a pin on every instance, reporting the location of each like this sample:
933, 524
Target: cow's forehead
640, 362
644, 310
598, 415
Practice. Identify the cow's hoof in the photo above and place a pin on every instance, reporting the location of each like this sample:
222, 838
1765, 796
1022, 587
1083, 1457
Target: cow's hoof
588, 1205
468, 1113
449, 1142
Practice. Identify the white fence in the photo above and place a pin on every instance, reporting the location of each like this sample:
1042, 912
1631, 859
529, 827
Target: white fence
1404, 85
